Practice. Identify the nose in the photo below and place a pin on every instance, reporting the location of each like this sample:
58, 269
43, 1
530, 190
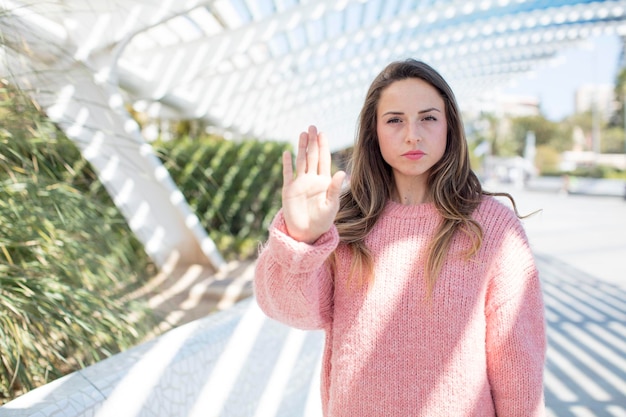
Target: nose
413, 134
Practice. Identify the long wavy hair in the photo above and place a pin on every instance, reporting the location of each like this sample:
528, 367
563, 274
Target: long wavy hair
452, 185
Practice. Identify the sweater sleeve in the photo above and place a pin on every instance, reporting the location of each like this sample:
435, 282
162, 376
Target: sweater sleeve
515, 338
292, 281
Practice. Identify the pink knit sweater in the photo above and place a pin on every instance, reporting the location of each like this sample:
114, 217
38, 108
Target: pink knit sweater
477, 348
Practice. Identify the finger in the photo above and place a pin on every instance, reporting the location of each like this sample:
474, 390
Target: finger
312, 151
324, 163
301, 155
336, 185
287, 168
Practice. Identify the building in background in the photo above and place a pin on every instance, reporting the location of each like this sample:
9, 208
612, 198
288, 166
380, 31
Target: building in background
602, 96
519, 106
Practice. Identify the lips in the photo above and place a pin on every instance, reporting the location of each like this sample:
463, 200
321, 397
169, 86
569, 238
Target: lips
413, 155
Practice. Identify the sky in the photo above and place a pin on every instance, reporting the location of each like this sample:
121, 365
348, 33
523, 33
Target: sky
596, 61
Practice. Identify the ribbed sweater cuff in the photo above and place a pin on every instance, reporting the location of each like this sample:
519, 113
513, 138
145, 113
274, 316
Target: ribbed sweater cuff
299, 256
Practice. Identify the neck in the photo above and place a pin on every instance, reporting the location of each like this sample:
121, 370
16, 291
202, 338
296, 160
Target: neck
411, 197
410, 191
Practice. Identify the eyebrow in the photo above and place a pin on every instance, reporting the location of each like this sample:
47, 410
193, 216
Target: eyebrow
419, 112
429, 110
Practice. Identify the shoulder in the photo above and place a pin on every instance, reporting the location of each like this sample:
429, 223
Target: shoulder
498, 220
506, 248
493, 211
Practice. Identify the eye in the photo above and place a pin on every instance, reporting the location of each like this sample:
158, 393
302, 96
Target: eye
394, 120
430, 118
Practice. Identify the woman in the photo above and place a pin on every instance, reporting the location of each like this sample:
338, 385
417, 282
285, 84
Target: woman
424, 284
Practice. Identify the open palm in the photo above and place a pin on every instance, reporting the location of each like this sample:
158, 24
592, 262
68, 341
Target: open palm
311, 198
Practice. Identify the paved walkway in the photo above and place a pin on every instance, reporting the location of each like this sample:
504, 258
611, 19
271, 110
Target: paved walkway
180, 294
580, 246
586, 364
586, 232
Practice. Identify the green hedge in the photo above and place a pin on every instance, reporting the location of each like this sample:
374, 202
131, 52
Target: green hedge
233, 187
67, 258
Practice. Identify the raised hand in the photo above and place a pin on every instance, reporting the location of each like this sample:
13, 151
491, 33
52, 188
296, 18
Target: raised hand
311, 198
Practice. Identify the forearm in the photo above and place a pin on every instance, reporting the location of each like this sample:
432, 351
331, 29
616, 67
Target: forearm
292, 281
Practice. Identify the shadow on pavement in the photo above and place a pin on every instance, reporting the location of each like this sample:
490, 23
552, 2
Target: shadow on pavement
586, 361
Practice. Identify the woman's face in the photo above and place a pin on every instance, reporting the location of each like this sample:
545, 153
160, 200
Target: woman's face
412, 129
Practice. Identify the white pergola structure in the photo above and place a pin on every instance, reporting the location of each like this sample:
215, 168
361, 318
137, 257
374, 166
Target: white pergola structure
259, 68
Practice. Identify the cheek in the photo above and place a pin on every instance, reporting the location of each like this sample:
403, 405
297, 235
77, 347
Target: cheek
387, 149
383, 141
442, 138
439, 145
380, 133
383, 149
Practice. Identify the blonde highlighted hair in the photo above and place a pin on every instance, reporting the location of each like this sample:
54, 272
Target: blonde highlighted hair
452, 185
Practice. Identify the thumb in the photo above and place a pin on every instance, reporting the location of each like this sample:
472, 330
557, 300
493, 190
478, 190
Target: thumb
336, 184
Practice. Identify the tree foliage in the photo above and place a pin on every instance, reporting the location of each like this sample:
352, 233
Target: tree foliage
547, 133
617, 119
